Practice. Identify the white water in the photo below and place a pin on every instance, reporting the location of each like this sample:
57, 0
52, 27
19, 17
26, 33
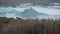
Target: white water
12, 12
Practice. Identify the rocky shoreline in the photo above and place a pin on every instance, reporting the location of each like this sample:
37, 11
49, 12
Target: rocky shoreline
29, 26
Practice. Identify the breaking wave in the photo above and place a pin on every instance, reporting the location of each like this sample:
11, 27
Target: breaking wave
15, 11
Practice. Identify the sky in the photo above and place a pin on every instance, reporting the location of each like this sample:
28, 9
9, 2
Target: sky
12, 2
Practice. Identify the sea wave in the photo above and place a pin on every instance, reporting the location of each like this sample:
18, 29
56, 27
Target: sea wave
15, 11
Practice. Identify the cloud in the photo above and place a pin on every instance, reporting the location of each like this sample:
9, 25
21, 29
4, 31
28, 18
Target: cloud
27, 1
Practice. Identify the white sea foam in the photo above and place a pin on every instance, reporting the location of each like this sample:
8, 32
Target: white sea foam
13, 12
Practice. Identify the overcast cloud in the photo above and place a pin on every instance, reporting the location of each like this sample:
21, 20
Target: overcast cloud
27, 1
